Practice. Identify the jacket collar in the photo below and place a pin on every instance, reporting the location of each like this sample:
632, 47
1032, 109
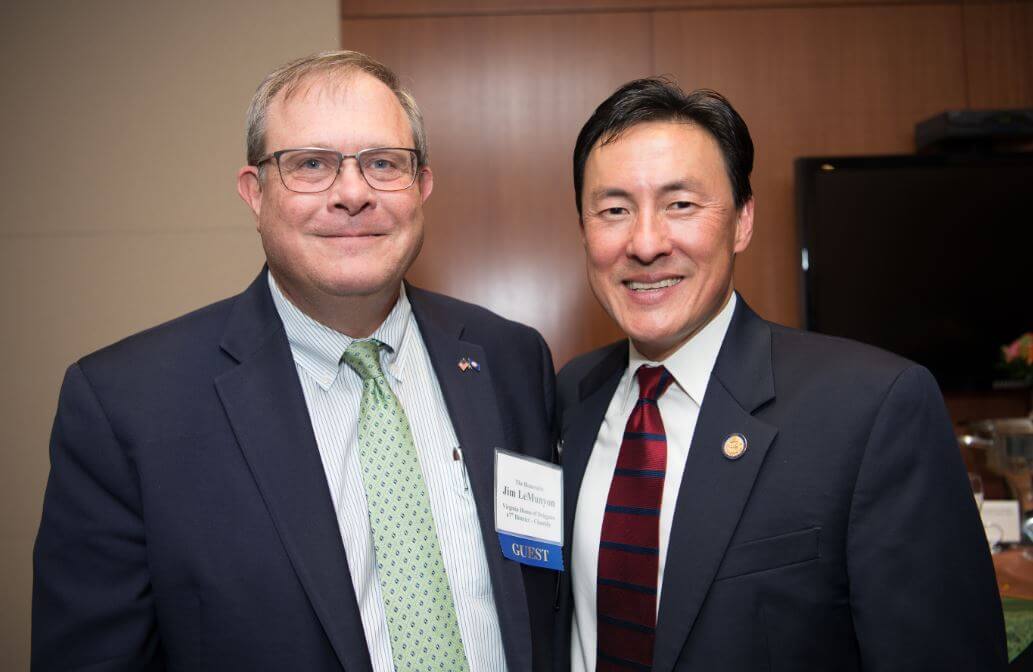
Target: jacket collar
743, 362
714, 490
266, 407
472, 404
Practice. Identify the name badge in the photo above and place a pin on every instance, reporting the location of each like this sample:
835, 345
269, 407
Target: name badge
529, 509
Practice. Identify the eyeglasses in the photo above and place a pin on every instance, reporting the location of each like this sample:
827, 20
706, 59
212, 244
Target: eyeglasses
310, 170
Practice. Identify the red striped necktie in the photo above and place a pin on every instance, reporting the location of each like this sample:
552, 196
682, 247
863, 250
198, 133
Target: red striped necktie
629, 546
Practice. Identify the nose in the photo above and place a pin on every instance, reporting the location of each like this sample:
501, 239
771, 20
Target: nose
350, 191
650, 238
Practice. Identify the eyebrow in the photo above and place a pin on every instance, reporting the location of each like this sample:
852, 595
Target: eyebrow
678, 185
682, 185
611, 192
330, 146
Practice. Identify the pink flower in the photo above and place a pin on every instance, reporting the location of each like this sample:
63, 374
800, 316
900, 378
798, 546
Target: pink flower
1017, 359
1020, 350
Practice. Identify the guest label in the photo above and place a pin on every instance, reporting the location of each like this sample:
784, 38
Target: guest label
529, 509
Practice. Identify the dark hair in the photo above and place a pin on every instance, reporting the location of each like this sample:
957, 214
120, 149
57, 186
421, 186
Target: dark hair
660, 99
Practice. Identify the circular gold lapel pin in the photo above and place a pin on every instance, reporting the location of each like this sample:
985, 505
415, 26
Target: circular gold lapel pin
734, 447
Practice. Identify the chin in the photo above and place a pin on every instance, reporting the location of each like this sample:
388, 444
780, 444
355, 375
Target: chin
654, 342
351, 287
653, 337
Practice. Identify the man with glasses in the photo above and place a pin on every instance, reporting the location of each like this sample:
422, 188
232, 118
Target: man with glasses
300, 477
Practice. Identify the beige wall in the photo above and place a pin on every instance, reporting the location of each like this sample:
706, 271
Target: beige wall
122, 127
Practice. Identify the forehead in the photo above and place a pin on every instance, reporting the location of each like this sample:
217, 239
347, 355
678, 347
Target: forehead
346, 111
653, 154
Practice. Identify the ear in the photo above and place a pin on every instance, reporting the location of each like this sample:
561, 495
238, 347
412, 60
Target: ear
744, 227
249, 186
426, 182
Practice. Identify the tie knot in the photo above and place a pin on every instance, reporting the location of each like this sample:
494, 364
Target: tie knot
364, 358
652, 381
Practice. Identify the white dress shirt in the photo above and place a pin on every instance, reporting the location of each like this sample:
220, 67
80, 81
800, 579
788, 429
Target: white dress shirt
690, 366
332, 393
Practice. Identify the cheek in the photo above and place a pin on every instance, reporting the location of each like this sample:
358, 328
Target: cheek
603, 249
280, 213
407, 213
413, 217
706, 246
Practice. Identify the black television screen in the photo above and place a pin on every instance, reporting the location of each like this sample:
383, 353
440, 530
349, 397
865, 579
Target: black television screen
930, 257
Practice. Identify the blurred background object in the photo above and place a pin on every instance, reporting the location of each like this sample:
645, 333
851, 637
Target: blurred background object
926, 256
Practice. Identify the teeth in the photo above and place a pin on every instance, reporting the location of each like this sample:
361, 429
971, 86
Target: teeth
642, 286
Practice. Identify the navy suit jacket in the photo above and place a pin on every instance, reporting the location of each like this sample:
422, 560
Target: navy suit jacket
845, 538
188, 524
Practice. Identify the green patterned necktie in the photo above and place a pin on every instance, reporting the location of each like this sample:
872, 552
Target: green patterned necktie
421, 617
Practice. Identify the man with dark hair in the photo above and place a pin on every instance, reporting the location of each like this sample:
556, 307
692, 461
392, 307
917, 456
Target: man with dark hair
740, 495
301, 477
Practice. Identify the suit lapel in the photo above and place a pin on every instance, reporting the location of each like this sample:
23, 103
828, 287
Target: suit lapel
714, 489
471, 402
266, 408
581, 419
581, 426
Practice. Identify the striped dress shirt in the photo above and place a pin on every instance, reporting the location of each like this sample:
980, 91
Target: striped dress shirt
690, 366
332, 393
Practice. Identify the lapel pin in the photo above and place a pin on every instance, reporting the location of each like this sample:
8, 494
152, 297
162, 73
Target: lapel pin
466, 364
734, 446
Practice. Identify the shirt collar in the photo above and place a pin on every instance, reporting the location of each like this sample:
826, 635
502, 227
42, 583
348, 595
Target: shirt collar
318, 349
690, 364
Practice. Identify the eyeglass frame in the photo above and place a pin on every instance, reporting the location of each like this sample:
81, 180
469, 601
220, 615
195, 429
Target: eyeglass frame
341, 156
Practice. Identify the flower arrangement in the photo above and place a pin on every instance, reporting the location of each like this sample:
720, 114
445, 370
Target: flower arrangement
1017, 358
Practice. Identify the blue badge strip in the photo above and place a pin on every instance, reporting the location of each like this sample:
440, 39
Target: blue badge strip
532, 552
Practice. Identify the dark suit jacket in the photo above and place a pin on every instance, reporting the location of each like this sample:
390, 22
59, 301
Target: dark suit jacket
845, 538
188, 523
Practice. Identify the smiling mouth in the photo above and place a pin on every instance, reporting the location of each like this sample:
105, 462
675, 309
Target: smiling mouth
351, 235
647, 286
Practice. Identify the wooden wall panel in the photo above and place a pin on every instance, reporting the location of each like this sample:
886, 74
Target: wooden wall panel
999, 54
504, 99
809, 82
505, 86
351, 9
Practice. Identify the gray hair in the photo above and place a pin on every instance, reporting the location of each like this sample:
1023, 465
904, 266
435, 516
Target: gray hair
288, 78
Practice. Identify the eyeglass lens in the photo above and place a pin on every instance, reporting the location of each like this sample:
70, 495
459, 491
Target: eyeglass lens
311, 170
